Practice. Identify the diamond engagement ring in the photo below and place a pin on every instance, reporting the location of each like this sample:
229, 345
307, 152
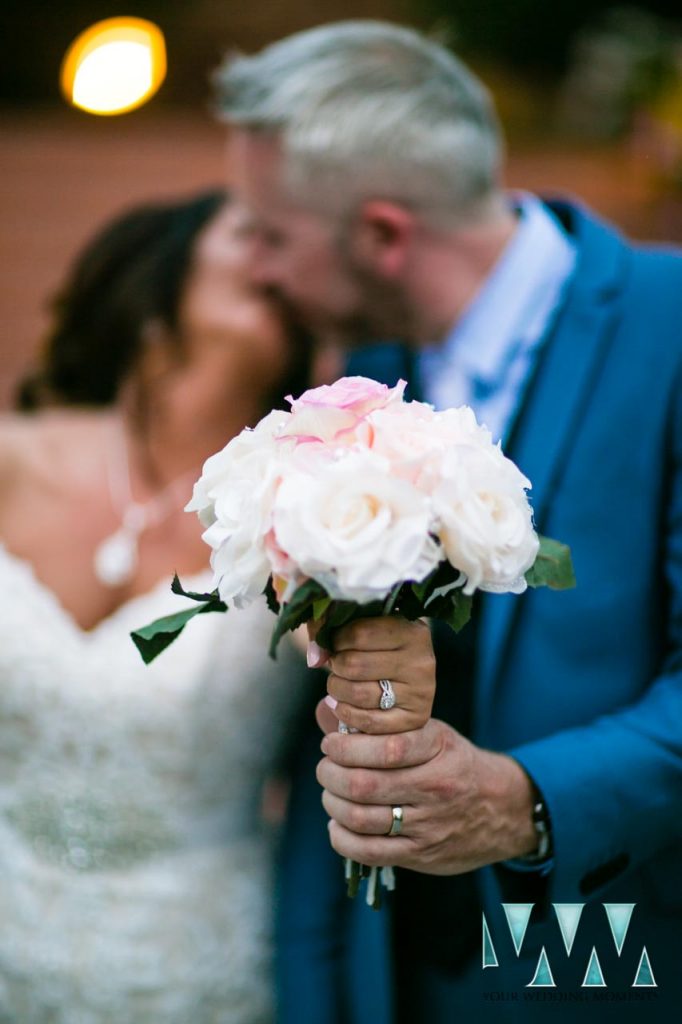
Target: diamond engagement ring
396, 821
387, 700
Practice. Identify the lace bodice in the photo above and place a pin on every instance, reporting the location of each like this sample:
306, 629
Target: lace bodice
134, 866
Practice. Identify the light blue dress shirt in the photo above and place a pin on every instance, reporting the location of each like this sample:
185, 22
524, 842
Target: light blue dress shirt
487, 358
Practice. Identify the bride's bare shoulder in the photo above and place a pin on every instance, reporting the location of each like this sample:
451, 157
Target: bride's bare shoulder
30, 443
17, 439
21, 442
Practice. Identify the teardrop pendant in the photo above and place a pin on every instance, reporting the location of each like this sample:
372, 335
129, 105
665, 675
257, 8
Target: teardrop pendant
116, 558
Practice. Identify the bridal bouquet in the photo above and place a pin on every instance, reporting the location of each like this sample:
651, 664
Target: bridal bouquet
356, 503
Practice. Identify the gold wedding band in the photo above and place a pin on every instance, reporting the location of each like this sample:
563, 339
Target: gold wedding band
396, 821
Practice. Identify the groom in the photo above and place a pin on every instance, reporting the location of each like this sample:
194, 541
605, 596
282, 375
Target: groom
550, 777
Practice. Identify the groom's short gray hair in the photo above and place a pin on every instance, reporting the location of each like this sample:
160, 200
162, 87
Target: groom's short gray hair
370, 109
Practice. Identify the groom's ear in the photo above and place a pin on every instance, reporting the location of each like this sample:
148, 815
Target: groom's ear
383, 235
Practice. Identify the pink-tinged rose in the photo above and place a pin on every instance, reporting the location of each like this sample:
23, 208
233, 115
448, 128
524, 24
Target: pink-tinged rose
414, 438
283, 568
334, 412
360, 395
321, 423
404, 435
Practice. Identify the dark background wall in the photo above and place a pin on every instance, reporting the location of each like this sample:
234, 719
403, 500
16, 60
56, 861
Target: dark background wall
592, 104
533, 38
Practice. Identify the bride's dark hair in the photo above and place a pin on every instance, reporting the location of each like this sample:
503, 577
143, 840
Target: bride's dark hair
129, 275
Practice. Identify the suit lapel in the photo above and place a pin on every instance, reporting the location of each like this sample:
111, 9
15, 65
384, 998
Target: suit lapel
553, 404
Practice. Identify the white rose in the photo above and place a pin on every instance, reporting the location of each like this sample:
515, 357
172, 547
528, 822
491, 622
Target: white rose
485, 520
220, 468
414, 438
402, 434
240, 564
354, 528
233, 499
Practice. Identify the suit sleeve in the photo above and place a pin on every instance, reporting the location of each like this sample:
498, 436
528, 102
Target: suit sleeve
614, 786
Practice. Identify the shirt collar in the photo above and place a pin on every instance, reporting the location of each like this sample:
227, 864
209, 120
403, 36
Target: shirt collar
517, 297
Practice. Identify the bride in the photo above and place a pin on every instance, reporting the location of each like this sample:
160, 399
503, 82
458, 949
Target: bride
134, 860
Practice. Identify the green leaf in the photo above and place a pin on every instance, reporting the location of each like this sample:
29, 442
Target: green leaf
296, 611
340, 613
271, 597
320, 607
177, 588
460, 611
421, 590
154, 638
553, 566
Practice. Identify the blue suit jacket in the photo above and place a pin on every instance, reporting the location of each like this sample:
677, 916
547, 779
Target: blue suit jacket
584, 687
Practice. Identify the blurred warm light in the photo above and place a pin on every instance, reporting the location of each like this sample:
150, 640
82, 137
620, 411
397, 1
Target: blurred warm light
114, 66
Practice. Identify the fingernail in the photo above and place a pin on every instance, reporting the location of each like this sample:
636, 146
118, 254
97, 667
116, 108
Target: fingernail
331, 702
324, 746
313, 654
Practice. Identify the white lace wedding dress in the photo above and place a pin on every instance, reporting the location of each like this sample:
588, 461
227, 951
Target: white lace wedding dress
135, 871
